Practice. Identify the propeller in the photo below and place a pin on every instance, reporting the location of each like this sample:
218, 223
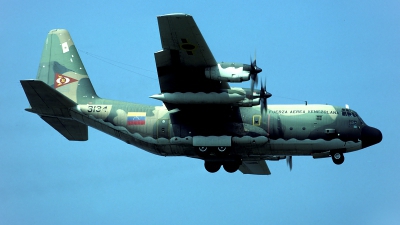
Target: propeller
289, 162
254, 71
263, 97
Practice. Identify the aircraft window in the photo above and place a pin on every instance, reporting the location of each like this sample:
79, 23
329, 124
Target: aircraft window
352, 122
319, 117
344, 113
347, 112
361, 120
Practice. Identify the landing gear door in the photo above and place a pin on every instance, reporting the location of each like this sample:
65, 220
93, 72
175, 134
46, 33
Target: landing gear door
163, 128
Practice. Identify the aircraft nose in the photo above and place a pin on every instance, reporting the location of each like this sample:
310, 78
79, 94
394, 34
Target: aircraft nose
370, 136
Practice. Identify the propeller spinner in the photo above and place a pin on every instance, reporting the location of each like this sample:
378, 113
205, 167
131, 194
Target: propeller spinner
264, 94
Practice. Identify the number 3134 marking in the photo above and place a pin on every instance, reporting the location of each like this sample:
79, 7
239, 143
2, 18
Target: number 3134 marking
97, 108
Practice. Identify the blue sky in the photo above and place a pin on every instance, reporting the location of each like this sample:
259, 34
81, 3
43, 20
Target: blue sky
335, 52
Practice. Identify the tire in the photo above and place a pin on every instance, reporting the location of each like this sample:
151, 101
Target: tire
231, 167
337, 157
212, 167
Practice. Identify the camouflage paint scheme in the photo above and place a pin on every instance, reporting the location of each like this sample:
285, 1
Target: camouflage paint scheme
197, 114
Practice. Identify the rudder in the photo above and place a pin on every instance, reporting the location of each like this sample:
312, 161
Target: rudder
61, 68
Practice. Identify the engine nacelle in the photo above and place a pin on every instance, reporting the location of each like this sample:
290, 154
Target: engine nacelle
248, 102
230, 72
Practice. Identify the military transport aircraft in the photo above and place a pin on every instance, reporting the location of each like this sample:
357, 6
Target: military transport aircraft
202, 116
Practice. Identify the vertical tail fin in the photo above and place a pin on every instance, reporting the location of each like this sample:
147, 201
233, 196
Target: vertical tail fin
61, 68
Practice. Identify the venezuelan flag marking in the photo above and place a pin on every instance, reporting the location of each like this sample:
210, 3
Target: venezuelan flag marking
136, 118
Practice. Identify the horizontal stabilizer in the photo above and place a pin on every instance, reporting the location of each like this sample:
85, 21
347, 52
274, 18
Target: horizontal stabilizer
255, 167
70, 129
54, 108
45, 100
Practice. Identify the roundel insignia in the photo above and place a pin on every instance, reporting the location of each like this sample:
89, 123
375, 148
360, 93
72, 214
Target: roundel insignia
188, 47
61, 80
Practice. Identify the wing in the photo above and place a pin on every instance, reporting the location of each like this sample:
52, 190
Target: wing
185, 55
255, 167
179, 32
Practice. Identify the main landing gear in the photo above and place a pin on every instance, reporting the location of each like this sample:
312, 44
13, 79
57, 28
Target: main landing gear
214, 166
215, 157
337, 157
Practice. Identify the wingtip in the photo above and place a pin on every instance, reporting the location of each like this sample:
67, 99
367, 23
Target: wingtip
174, 15
58, 31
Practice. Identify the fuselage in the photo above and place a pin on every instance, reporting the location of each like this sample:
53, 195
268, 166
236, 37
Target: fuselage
282, 130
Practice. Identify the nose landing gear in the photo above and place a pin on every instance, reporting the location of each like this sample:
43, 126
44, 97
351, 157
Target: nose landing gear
337, 157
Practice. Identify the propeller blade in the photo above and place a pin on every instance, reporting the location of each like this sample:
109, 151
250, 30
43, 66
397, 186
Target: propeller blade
254, 71
263, 97
289, 162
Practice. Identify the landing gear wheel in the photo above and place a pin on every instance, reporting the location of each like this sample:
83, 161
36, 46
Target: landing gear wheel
202, 151
231, 167
222, 151
212, 167
337, 157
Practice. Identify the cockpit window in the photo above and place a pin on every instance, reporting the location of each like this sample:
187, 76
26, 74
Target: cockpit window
351, 113
348, 112
361, 120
